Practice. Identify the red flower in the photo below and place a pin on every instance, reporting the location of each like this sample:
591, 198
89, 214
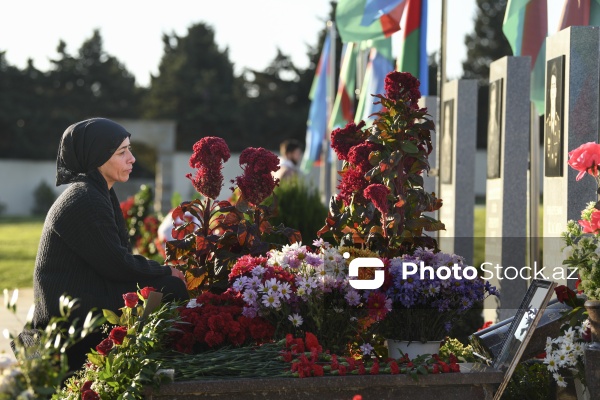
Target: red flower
376, 304
317, 370
342, 370
564, 294
105, 346
246, 264
375, 368
593, 225
257, 183
486, 325
585, 158
402, 85
394, 369
89, 395
353, 183
359, 155
357, 397
377, 193
435, 369
86, 386
343, 139
454, 367
214, 338
117, 334
209, 153
131, 299
312, 342
146, 291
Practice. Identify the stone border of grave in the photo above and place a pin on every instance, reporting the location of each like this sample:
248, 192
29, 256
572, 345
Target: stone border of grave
474, 382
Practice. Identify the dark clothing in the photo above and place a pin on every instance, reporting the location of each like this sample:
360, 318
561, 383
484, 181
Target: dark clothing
84, 252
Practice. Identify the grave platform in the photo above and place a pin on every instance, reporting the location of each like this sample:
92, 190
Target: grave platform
474, 382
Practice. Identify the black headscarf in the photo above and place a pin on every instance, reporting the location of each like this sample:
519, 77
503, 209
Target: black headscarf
85, 146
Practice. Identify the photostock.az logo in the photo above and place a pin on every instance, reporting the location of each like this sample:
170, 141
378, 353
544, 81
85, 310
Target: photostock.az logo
365, 262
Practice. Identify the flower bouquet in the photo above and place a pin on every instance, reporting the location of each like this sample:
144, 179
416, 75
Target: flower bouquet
429, 291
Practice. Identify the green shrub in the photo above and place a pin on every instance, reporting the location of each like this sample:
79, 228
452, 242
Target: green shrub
43, 198
299, 207
531, 380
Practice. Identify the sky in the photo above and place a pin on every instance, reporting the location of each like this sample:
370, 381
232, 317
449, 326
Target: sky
251, 30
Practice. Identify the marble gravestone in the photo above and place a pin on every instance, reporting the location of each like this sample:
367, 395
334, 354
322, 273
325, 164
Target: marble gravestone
430, 180
571, 119
506, 186
457, 166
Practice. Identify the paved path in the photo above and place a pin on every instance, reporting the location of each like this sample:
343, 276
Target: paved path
11, 322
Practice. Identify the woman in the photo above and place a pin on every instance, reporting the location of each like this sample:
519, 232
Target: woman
84, 250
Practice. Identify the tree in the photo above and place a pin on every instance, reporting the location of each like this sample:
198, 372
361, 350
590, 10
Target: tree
487, 43
195, 87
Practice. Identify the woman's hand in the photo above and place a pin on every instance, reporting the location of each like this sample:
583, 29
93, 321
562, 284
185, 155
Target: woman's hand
177, 273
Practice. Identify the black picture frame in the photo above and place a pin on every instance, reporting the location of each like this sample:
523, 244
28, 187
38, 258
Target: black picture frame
521, 329
553, 118
494, 133
446, 142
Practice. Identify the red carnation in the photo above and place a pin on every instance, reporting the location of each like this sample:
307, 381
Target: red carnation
131, 299
312, 342
378, 193
402, 85
117, 334
146, 291
257, 183
394, 369
375, 368
343, 139
89, 395
105, 346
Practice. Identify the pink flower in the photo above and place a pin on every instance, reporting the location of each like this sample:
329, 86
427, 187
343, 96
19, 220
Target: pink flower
402, 85
257, 183
343, 139
593, 225
585, 158
377, 193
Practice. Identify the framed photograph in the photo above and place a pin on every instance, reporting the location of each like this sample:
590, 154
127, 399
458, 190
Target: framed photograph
494, 132
553, 119
521, 329
446, 144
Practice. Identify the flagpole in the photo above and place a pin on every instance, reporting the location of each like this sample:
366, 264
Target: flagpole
326, 164
441, 75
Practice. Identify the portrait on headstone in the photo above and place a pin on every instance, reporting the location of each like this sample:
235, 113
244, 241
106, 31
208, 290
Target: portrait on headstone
446, 142
553, 140
494, 131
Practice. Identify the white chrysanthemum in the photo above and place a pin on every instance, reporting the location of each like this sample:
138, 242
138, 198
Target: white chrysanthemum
250, 296
567, 252
296, 319
551, 362
560, 380
239, 284
271, 285
569, 335
561, 358
193, 304
254, 283
352, 297
285, 290
271, 300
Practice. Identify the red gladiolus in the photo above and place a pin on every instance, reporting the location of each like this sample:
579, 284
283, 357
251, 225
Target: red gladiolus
377, 193
117, 334
146, 291
105, 346
89, 395
257, 183
131, 299
593, 225
585, 159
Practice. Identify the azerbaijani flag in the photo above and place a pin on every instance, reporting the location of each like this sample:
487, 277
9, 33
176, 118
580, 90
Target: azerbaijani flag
580, 13
379, 65
359, 20
412, 54
526, 27
343, 107
316, 125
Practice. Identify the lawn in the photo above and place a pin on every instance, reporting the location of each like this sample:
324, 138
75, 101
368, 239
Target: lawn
19, 239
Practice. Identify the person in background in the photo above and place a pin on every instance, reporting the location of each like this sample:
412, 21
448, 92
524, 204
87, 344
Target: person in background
84, 250
290, 157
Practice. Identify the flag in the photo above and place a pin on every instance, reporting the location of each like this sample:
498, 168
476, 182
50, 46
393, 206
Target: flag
580, 13
379, 65
317, 114
412, 54
343, 107
526, 27
359, 20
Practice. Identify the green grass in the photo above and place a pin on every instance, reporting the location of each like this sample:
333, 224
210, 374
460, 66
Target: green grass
19, 239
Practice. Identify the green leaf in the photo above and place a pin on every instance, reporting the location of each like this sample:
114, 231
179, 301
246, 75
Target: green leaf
111, 317
409, 147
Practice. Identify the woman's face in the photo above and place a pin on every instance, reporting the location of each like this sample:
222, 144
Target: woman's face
119, 166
